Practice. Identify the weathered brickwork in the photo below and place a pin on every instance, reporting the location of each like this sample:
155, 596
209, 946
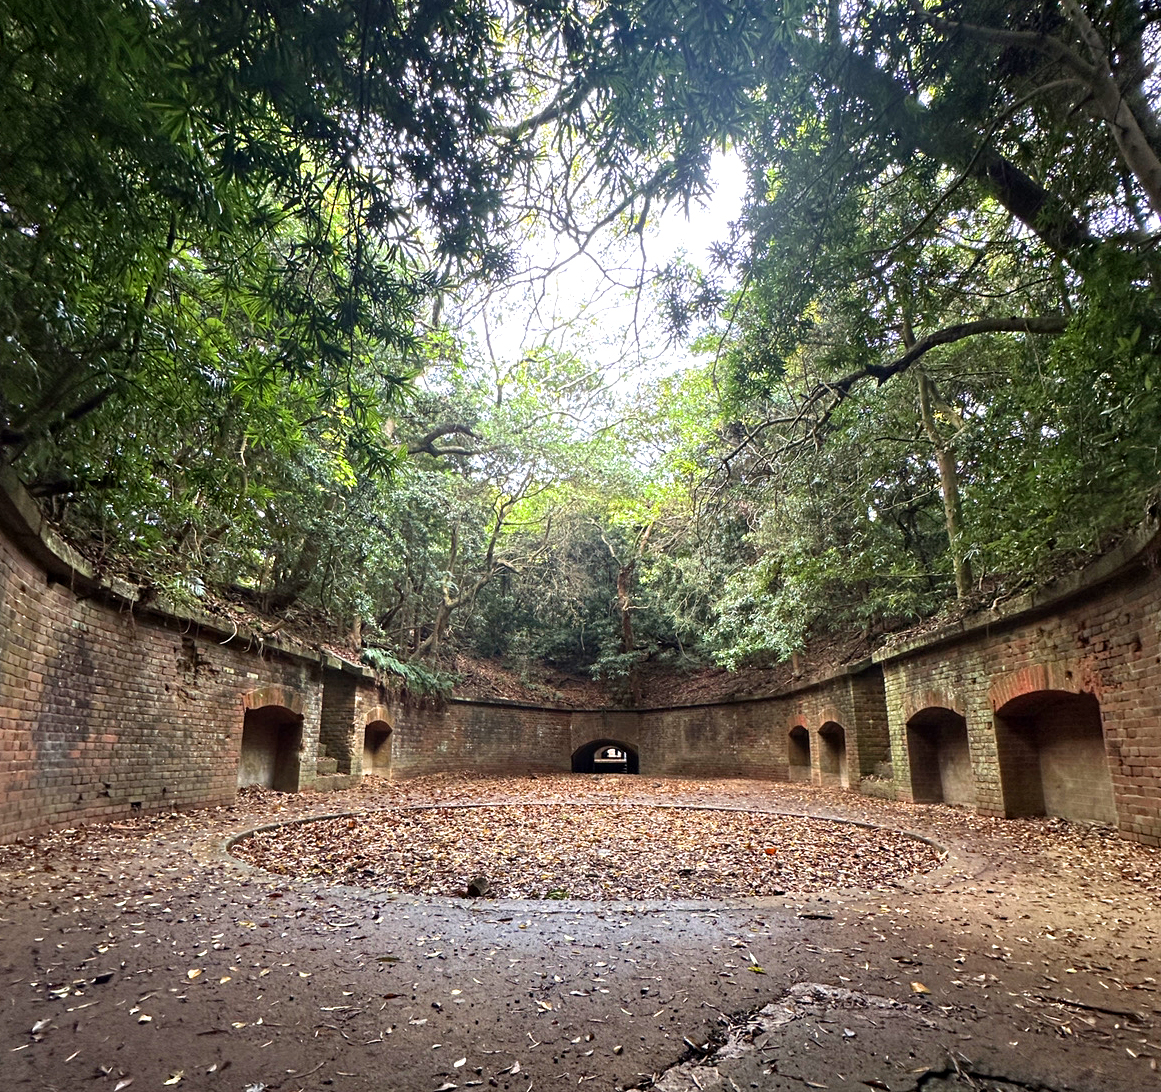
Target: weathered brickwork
733, 739
478, 737
340, 736
1085, 669
106, 712
730, 740
108, 708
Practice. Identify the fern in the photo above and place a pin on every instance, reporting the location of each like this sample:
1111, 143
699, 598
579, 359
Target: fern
414, 677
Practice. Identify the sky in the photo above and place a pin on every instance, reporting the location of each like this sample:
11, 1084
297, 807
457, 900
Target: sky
588, 303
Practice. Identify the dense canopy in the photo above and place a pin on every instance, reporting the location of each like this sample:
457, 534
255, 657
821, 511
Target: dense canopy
274, 323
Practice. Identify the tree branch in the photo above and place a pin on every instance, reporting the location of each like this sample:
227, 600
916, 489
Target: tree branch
839, 389
426, 443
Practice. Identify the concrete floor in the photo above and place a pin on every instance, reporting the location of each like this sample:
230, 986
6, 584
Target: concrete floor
135, 952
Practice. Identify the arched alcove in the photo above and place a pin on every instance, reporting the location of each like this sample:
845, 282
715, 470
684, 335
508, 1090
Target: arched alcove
1052, 757
798, 753
832, 755
606, 756
377, 748
937, 750
271, 748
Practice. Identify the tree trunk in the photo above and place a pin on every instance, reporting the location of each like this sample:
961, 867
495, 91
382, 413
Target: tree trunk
948, 488
625, 604
1111, 104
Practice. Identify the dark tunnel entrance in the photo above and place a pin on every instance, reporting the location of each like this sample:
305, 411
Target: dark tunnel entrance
605, 756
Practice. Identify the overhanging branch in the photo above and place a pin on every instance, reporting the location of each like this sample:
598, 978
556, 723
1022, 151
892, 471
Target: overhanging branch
840, 388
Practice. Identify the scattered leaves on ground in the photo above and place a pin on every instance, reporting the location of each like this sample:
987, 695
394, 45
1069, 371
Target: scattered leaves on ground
582, 851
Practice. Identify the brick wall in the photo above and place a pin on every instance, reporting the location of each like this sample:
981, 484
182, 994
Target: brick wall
477, 737
1061, 696
339, 737
108, 710
732, 739
108, 706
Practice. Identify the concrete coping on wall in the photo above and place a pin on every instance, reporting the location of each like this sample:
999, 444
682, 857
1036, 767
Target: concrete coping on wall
336, 663
34, 536
1131, 553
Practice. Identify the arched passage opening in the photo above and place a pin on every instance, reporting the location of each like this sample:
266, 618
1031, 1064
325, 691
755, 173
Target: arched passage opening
605, 756
798, 753
377, 748
1052, 756
832, 755
941, 766
271, 748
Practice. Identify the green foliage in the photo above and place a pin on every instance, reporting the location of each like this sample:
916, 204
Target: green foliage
223, 229
1072, 440
414, 677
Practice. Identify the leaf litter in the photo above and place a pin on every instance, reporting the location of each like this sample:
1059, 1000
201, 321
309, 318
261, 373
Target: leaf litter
592, 852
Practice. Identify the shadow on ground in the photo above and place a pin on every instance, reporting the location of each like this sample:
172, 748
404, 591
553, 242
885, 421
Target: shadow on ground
136, 952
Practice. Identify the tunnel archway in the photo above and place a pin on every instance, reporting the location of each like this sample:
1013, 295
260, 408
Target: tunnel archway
271, 748
798, 753
1052, 755
941, 766
606, 756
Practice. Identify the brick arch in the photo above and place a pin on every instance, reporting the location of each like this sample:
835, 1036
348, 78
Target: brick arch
832, 752
377, 732
275, 694
916, 701
939, 756
585, 757
1054, 675
377, 713
798, 750
271, 746
824, 715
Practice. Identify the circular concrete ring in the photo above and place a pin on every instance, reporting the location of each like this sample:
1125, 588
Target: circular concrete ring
951, 862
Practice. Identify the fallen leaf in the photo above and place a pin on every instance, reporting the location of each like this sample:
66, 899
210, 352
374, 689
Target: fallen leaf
176, 1078
919, 987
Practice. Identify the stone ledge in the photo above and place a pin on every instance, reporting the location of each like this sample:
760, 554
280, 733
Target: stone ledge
23, 521
1130, 553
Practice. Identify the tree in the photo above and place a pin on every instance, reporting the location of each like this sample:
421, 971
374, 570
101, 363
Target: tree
924, 177
221, 226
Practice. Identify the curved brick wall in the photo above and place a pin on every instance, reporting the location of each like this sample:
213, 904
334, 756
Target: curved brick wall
109, 706
1077, 665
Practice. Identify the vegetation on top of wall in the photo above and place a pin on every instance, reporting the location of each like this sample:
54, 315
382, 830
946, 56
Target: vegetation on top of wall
412, 677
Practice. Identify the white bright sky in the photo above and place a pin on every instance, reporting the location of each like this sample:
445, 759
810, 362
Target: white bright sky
580, 308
